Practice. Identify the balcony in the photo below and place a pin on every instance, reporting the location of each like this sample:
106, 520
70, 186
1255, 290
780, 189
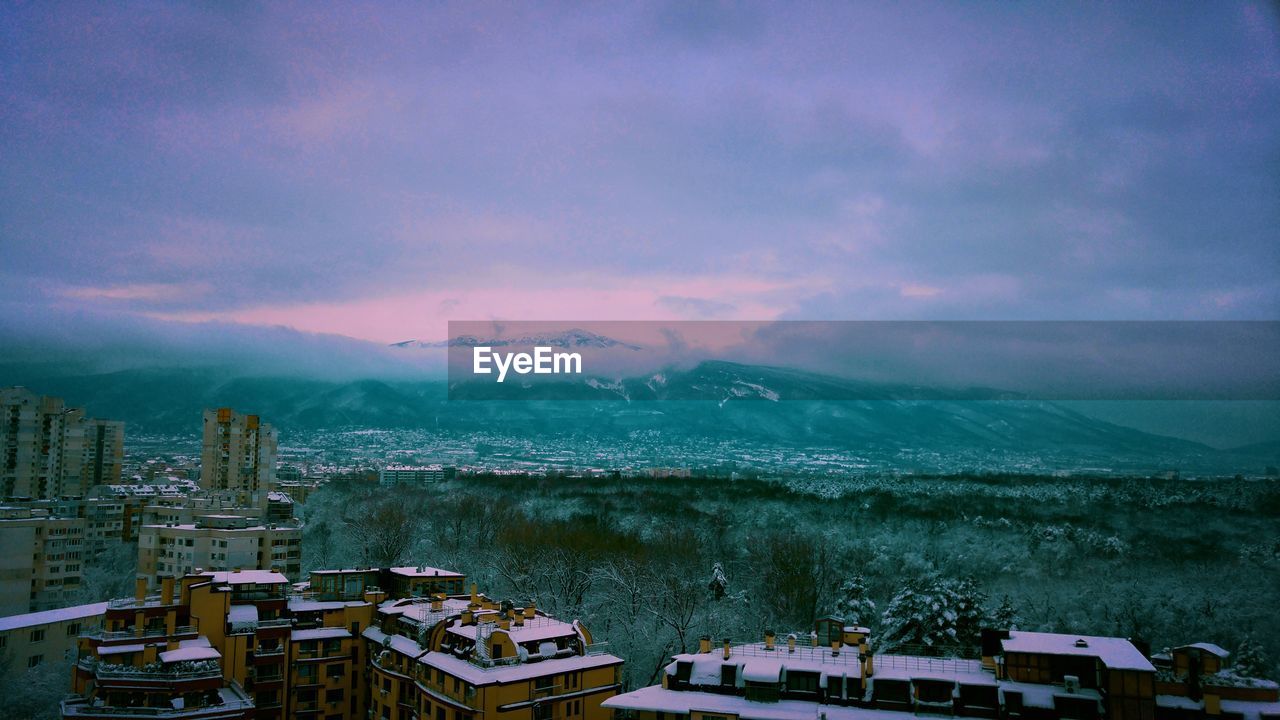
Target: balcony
112, 635
233, 705
149, 601
150, 675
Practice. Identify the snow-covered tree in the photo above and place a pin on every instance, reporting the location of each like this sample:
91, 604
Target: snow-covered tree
852, 603
1249, 660
1005, 616
719, 584
935, 614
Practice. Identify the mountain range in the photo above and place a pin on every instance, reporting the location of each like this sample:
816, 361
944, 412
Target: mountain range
775, 409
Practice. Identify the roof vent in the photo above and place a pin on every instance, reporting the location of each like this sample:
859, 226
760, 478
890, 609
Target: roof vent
1082, 643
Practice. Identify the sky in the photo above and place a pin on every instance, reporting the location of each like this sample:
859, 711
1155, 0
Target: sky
375, 170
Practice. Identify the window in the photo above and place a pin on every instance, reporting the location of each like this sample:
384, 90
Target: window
805, 682
73, 629
333, 671
728, 674
37, 635
34, 660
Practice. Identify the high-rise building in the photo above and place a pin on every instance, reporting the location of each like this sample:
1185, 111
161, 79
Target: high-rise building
102, 460
48, 450
238, 454
40, 567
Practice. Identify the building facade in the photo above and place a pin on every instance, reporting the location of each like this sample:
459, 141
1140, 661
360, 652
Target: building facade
413, 474
30, 639
49, 450
238, 453
41, 565
218, 542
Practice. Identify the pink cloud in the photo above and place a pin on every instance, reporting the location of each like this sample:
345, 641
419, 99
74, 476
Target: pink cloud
424, 314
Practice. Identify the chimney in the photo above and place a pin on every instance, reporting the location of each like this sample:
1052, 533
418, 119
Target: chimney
769, 640
791, 643
704, 644
437, 604
835, 648
474, 593
519, 619
726, 648
468, 616
140, 589
504, 623
531, 609
166, 590
868, 665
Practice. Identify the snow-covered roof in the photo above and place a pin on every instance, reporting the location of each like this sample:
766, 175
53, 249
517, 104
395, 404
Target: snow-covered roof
399, 643
304, 605
535, 629
45, 617
325, 633
706, 666
1208, 647
119, 649
1251, 710
1114, 653
246, 577
477, 675
189, 654
762, 670
681, 702
420, 610
1040, 695
243, 617
423, 571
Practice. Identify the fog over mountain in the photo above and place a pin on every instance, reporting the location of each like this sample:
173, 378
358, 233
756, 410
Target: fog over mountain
158, 375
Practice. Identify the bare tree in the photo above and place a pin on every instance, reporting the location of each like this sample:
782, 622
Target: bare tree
383, 532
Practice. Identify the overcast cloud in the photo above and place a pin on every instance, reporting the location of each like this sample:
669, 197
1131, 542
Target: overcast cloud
373, 171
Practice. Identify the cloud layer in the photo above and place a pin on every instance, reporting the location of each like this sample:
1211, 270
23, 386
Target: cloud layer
375, 171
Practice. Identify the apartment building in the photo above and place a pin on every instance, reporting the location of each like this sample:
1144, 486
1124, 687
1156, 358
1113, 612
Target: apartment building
41, 565
834, 674
397, 582
238, 453
246, 644
103, 518
30, 639
414, 474
466, 658
49, 450
218, 542
149, 659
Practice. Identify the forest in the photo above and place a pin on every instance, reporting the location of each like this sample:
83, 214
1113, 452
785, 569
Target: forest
652, 564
